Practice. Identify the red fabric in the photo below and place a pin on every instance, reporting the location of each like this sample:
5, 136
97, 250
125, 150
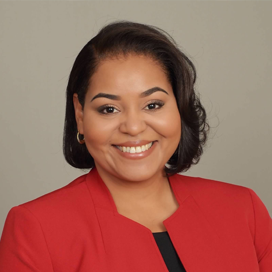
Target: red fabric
218, 227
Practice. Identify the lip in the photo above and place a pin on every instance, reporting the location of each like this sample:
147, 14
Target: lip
135, 143
136, 156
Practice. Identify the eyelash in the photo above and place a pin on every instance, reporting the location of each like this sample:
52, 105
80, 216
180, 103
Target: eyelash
101, 109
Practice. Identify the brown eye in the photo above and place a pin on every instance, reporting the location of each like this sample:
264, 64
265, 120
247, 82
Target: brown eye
107, 110
152, 106
155, 105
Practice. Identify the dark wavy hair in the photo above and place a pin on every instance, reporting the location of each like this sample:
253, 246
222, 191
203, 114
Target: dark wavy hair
123, 38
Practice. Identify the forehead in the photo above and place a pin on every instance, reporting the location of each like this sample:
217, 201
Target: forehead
128, 75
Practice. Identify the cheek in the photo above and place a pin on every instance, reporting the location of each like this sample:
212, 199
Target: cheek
169, 125
97, 131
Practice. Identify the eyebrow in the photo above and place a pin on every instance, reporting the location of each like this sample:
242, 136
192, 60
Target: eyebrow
143, 94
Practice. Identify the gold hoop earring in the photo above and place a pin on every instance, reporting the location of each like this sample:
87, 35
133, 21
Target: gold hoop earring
81, 141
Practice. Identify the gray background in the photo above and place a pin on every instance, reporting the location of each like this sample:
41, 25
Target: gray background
229, 42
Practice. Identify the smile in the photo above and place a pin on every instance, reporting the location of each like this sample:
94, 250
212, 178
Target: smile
134, 149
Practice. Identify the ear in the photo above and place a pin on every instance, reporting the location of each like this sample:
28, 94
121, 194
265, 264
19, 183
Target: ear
78, 113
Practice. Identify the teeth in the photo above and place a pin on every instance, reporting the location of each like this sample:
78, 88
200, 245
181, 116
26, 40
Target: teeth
137, 149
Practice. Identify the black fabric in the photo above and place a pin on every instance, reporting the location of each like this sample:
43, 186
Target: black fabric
168, 252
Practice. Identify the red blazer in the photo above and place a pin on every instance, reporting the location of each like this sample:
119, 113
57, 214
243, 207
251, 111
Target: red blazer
218, 227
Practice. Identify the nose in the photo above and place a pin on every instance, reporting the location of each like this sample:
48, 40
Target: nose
132, 123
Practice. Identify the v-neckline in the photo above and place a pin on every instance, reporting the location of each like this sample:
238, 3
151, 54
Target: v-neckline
103, 198
193, 232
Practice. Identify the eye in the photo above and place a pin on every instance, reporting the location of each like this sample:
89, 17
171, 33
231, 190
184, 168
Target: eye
155, 105
107, 109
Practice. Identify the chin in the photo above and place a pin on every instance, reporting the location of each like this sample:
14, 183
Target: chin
137, 173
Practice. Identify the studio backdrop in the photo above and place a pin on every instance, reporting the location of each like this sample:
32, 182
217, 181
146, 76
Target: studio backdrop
230, 44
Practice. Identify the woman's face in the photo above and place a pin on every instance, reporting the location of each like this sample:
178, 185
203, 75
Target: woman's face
129, 103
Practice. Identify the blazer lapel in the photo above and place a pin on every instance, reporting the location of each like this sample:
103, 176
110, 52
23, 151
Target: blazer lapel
194, 238
129, 246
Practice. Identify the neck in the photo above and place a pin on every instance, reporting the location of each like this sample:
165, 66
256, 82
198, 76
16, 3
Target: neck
148, 202
136, 193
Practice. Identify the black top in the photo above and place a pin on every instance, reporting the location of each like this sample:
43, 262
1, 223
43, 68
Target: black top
168, 252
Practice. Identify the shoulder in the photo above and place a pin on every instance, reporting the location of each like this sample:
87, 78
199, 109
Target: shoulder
57, 203
52, 219
218, 196
224, 200
233, 207
202, 187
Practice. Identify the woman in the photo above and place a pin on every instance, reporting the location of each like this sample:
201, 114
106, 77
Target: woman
133, 117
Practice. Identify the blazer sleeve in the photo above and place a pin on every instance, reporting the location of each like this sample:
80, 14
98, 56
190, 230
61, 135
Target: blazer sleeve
23, 247
263, 233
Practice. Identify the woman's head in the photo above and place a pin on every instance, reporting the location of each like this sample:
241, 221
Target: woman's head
120, 44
